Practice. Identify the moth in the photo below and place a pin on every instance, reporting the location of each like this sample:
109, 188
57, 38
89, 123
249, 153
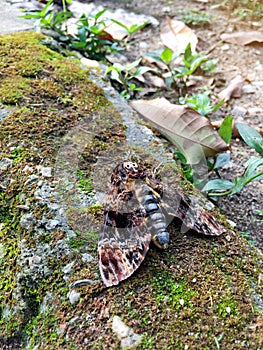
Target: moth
138, 211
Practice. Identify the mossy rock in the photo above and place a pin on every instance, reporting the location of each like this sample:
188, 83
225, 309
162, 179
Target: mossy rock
201, 293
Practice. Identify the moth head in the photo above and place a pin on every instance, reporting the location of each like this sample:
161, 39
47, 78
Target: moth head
131, 169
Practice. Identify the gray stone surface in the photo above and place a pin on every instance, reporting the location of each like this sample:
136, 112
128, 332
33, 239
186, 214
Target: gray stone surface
10, 21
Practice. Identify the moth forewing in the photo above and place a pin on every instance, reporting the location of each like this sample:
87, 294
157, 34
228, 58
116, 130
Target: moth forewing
124, 237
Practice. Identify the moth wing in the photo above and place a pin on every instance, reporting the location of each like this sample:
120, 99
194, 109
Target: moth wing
124, 241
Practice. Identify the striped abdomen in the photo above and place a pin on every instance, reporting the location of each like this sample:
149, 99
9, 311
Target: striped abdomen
155, 218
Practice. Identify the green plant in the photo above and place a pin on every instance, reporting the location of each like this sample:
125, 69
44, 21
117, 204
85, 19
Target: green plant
218, 339
91, 36
194, 17
181, 73
188, 171
247, 236
130, 30
223, 187
250, 10
260, 213
48, 18
201, 103
253, 167
83, 183
123, 75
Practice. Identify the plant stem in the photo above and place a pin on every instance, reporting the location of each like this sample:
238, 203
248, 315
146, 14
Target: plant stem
226, 193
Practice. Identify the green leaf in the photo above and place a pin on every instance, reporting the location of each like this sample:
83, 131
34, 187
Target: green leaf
133, 65
156, 55
225, 130
99, 14
181, 157
40, 14
167, 55
217, 106
61, 17
115, 73
192, 62
141, 70
218, 185
239, 184
251, 137
221, 160
210, 65
169, 81
188, 56
252, 164
196, 63
120, 24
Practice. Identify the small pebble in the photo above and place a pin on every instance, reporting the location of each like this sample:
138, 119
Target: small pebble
5, 163
67, 269
45, 171
120, 327
228, 309
87, 257
74, 297
249, 89
51, 224
225, 47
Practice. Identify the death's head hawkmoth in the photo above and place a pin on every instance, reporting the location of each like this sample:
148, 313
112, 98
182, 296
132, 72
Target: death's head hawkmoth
138, 211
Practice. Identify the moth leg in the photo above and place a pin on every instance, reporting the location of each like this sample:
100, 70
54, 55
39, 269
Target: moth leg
161, 239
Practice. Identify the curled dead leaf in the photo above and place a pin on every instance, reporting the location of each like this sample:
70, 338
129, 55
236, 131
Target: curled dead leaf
176, 35
243, 38
234, 89
192, 133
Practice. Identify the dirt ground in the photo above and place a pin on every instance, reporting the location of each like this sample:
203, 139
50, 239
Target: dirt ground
247, 61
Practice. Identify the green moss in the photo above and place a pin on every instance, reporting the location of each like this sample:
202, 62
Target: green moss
176, 294
52, 94
12, 91
96, 210
83, 183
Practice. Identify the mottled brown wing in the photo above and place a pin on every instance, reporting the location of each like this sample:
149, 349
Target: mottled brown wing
190, 210
124, 239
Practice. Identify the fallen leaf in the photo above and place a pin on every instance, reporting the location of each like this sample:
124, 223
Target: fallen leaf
242, 38
176, 35
234, 89
156, 81
192, 133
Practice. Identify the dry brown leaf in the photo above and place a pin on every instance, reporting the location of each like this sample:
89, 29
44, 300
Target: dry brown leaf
242, 38
156, 81
176, 35
192, 133
234, 89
